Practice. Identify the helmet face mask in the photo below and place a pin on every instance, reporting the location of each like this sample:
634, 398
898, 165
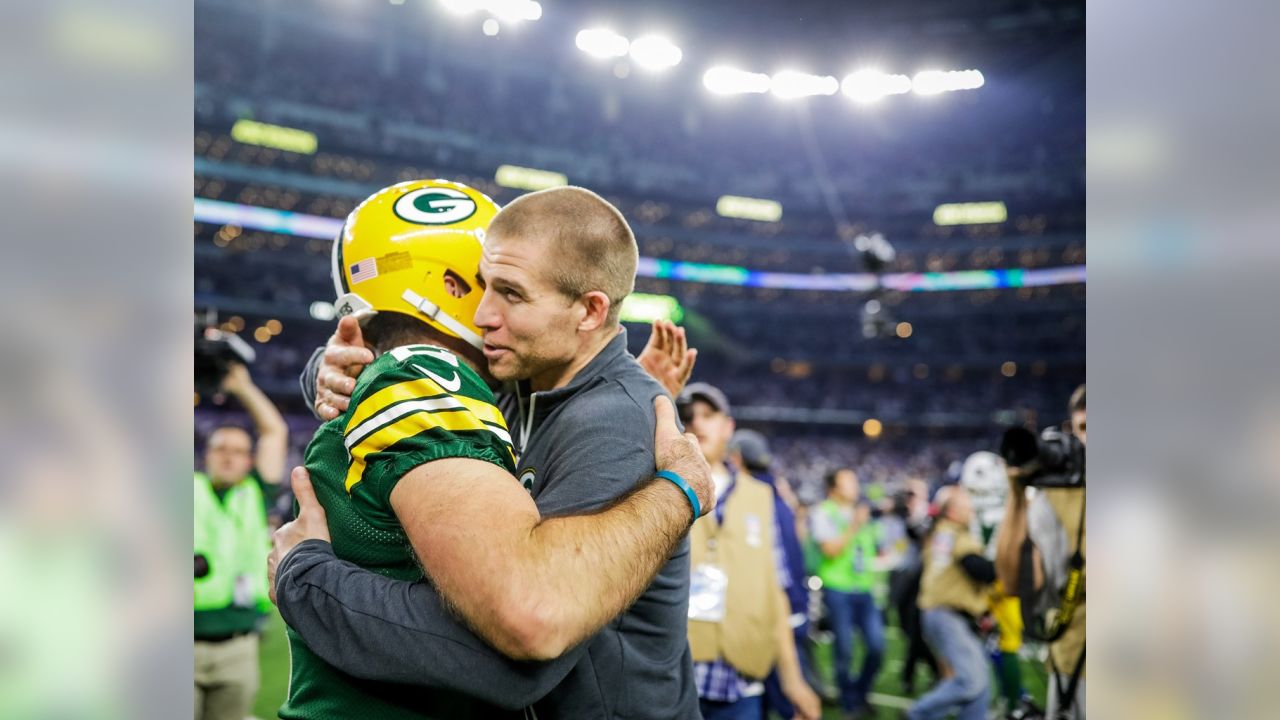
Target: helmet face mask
414, 248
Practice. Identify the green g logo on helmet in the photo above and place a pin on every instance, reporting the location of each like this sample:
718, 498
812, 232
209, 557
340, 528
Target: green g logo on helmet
434, 206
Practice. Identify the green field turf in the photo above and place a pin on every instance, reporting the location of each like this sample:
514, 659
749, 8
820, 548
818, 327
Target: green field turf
888, 697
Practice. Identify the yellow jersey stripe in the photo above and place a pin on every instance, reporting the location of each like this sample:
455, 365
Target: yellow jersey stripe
416, 421
412, 390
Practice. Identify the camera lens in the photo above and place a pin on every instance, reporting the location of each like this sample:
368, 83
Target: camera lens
1019, 446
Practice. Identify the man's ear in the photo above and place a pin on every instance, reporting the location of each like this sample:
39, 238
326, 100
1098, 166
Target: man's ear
597, 306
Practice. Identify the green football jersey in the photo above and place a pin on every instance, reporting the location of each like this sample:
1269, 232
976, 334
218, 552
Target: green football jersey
412, 405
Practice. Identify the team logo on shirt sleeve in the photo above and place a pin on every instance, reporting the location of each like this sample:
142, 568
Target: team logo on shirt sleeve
527, 477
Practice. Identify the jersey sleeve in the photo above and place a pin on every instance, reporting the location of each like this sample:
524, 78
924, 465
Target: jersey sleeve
414, 405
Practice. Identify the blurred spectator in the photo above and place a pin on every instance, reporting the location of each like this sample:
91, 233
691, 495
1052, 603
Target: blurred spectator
749, 452
844, 532
912, 505
954, 591
232, 496
738, 638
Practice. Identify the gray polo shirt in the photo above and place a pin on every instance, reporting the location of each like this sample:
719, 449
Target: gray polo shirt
581, 447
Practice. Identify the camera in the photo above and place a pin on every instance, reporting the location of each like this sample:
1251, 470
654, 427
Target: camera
215, 351
1052, 459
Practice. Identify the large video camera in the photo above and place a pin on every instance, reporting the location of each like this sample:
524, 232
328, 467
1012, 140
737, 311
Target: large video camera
1053, 459
215, 351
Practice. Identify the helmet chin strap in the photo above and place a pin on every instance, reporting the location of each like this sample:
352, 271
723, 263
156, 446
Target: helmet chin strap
431, 310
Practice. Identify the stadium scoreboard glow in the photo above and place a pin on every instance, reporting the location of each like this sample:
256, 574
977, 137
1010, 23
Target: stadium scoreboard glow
251, 132
645, 308
523, 178
978, 213
746, 208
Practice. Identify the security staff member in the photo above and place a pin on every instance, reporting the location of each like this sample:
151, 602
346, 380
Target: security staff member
739, 617
231, 545
954, 592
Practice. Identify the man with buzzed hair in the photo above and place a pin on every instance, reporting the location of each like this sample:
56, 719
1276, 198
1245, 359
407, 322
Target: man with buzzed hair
555, 267
590, 241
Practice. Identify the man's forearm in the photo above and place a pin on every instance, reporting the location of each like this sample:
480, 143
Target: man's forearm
273, 432
587, 569
376, 628
1009, 539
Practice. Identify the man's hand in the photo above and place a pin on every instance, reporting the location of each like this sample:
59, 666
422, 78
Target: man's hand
807, 704
667, 357
237, 379
311, 524
681, 454
344, 357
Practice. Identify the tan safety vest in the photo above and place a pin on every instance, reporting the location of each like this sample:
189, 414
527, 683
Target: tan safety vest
1067, 504
944, 583
743, 548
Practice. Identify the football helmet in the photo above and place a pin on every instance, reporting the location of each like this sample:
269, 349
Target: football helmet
396, 248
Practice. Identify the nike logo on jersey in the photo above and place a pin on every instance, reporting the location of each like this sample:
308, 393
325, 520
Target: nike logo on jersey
451, 385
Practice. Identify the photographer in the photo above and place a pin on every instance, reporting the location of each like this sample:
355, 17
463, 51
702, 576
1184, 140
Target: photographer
231, 546
1040, 553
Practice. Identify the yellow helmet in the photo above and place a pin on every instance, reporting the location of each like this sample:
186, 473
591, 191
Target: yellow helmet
397, 246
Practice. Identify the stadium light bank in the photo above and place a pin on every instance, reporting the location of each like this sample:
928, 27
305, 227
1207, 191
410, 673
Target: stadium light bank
652, 52
505, 10
862, 86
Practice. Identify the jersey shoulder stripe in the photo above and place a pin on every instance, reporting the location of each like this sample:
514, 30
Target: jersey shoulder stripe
419, 394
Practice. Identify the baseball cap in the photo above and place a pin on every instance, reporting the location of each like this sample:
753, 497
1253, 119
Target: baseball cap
705, 392
754, 449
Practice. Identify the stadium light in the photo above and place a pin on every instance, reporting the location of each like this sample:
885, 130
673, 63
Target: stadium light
250, 132
321, 310
601, 43
508, 10
723, 80
872, 428
734, 206
932, 82
981, 213
460, 7
790, 84
868, 86
645, 308
523, 178
655, 52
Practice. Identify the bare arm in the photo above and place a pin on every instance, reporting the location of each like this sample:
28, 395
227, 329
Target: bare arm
1010, 538
833, 548
273, 433
532, 587
794, 686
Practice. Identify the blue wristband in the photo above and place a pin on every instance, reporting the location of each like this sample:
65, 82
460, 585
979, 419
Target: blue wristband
688, 491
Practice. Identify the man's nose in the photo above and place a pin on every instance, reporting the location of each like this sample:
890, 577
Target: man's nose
486, 317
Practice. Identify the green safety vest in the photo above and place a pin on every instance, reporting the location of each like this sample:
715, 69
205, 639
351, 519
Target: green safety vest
232, 535
850, 571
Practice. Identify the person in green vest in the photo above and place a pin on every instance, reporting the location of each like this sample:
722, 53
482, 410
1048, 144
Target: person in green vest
231, 546
843, 532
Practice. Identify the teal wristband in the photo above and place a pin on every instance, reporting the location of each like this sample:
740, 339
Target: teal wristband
688, 491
